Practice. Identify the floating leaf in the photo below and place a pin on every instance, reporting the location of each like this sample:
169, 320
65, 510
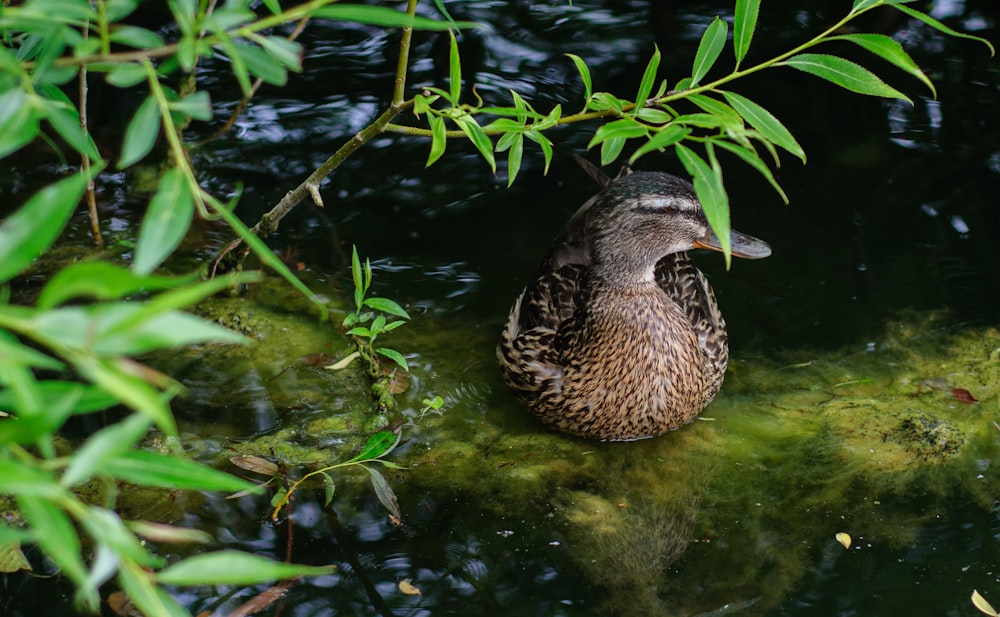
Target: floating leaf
408, 588
255, 464
845, 74
963, 396
980, 602
844, 539
709, 49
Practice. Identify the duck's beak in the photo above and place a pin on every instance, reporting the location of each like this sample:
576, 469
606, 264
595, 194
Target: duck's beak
740, 244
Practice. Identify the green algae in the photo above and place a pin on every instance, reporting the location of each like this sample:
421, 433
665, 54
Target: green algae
733, 509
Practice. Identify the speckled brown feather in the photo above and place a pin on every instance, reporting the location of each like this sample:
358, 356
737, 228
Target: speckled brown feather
612, 359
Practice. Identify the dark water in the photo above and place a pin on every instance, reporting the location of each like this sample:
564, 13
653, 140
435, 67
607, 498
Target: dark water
896, 210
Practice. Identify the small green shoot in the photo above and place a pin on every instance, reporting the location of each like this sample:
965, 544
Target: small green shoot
370, 318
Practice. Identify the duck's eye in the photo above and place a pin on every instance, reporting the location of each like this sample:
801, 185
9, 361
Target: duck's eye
673, 209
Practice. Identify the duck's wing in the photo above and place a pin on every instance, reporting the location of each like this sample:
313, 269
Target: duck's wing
685, 284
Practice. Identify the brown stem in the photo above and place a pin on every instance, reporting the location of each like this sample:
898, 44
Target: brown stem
242, 105
269, 222
91, 194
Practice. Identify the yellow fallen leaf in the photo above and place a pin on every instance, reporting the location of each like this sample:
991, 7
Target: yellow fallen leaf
408, 588
844, 539
980, 602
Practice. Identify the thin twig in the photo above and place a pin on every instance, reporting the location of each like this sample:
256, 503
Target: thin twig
91, 194
310, 186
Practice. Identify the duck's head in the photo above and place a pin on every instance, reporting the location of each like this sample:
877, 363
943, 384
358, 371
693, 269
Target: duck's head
643, 216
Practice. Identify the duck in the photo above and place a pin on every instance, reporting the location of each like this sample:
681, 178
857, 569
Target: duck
618, 336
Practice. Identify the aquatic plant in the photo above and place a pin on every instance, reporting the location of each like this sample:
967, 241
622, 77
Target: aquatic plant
70, 351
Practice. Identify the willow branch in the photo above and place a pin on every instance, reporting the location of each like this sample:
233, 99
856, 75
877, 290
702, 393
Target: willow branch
310, 186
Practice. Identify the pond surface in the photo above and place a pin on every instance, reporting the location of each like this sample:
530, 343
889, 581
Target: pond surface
880, 298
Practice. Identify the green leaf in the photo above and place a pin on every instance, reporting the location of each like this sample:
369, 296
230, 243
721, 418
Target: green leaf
66, 121
476, 135
260, 63
623, 128
395, 356
648, 80
197, 105
601, 101
744, 24
115, 376
288, 53
58, 538
384, 492
386, 306
543, 143
661, 140
584, 71
107, 528
232, 568
752, 159
27, 480
134, 36
709, 49
707, 180
727, 116
514, 158
940, 27
166, 222
239, 62
888, 49
126, 75
18, 121
377, 445
610, 149
100, 452
115, 10
386, 17
654, 116
141, 134
152, 469
439, 138
761, 119
28, 232
42, 423
454, 70
845, 74
146, 595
